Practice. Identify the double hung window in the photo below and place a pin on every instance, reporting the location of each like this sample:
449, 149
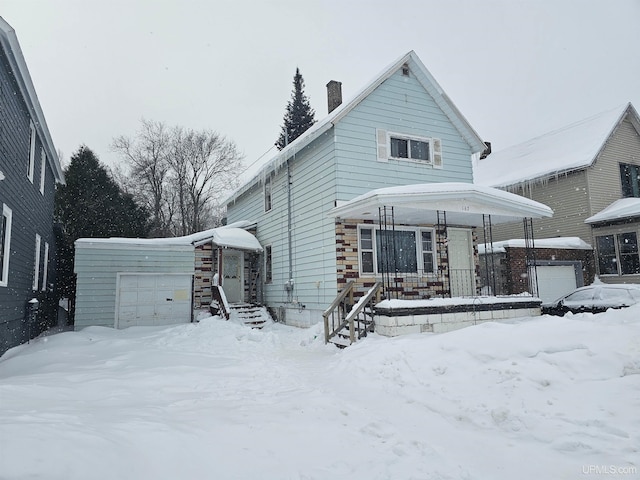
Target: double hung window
630, 180
618, 254
404, 250
5, 245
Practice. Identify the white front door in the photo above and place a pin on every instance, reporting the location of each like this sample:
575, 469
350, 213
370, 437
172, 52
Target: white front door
232, 278
461, 265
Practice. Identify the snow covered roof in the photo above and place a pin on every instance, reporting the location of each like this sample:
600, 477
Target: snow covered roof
424, 77
464, 204
228, 236
618, 210
573, 147
11, 47
567, 243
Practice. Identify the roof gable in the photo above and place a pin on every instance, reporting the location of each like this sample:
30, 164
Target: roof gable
9, 43
427, 81
571, 148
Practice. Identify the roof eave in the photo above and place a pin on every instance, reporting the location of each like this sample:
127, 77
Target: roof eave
9, 41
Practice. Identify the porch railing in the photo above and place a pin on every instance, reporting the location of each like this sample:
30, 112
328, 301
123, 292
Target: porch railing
334, 316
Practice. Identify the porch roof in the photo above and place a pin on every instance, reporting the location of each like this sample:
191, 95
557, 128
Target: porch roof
464, 204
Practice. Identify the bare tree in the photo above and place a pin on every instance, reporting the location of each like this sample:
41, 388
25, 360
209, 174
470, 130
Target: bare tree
146, 157
181, 174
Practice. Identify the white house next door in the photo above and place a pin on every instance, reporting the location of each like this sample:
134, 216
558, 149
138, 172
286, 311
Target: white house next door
232, 272
461, 262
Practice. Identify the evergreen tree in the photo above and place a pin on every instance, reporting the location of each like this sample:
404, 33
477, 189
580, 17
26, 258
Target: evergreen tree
299, 115
91, 204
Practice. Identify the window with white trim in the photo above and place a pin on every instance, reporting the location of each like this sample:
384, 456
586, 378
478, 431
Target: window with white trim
32, 151
43, 169
396, 146
618, 254
267, 193
405, 250
45, 266
36, 263
5, 246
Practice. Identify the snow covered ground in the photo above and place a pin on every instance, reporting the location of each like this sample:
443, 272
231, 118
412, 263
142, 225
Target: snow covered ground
536, 398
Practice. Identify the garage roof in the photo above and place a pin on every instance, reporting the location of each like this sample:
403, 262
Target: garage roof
227, 237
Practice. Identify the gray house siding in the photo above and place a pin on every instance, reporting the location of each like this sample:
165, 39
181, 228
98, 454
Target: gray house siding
604, 176
568, 197
32, 211
97, 266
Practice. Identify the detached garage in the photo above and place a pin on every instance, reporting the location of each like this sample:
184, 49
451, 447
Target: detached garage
125, 282
128, 282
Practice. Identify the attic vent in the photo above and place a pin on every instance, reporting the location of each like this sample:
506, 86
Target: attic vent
405, 70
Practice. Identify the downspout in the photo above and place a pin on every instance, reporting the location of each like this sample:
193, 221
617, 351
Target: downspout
289, 228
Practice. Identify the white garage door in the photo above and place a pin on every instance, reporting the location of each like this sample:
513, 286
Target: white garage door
555, 281
157, 299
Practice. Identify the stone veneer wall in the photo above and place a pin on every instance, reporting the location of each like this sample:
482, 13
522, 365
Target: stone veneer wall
203, 275
347, 264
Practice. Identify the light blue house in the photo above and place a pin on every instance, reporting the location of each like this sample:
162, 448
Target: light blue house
323, 222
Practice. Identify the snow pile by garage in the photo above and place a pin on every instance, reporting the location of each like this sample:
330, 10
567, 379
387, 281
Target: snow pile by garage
541, 397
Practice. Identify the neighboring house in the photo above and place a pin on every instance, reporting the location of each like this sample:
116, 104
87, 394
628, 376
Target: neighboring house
29, 170
589, 174
328, 211
124, 282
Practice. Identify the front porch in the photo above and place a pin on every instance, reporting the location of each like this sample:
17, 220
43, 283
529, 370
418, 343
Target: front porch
420, 257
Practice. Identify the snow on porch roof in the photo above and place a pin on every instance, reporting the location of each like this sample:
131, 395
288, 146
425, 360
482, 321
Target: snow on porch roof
464, 204
618, 210
229, 237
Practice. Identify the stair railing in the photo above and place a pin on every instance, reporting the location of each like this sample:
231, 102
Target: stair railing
334, 316
219, 304
342, 314
360, 318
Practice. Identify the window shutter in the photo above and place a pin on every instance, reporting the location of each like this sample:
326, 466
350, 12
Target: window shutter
437, 153
381, 140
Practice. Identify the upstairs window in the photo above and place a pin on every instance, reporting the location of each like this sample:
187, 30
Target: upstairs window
630, 180
406, 147
5, 245
32, 151
43, 169
267, 194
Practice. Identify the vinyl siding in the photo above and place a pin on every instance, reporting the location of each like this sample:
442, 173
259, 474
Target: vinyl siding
604, 176
399, 105
32, 211
313, 239
339, 165
97, 267
568, 197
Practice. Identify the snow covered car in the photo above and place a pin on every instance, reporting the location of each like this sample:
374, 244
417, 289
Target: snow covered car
594, 298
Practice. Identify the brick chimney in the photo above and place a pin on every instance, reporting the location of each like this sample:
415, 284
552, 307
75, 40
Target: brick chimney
334, 95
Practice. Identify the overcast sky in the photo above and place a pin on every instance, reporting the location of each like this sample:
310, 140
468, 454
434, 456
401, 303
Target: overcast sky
514, 68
